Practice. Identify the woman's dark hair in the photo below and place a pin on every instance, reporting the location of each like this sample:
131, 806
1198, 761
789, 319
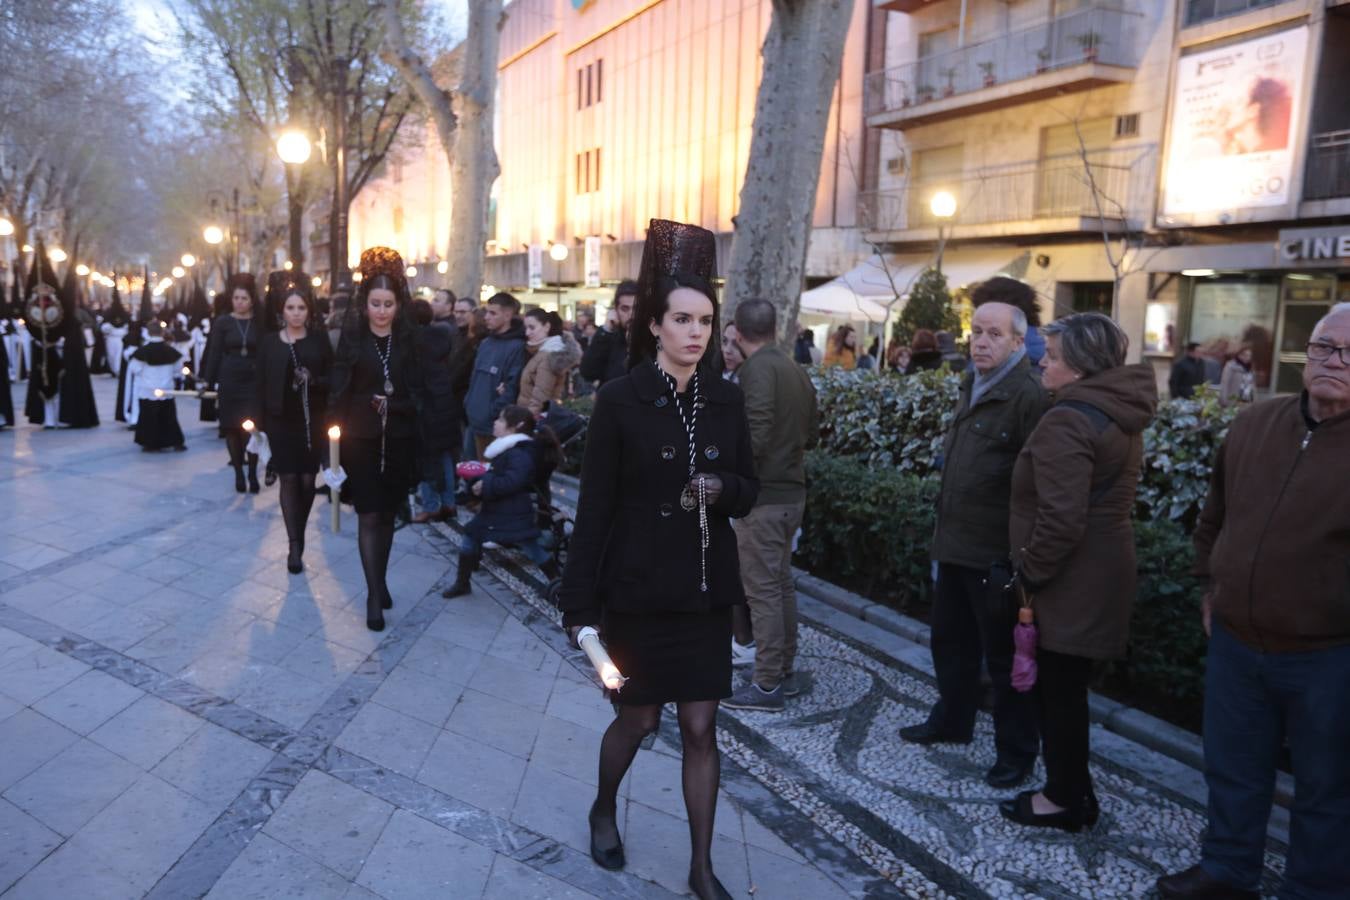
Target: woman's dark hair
1002, 289
923, 340
355, 322
649, 309
520, 420
550, 320
301, 291
840, 335
421, 311
875, 348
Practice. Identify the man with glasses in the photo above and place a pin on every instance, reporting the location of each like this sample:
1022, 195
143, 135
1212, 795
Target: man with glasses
1274, 542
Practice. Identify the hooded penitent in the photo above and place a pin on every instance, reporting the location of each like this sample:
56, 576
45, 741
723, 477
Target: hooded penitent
77, 391
45, 316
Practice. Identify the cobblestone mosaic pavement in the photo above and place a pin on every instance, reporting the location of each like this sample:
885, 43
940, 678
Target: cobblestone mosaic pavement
180, 717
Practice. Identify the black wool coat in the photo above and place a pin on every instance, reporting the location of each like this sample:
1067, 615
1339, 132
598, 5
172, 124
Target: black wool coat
634, 549
274, 358
442, 408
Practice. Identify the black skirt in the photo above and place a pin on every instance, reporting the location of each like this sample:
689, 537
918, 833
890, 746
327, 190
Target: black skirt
370, 490
157, 425
670, 657
291, 455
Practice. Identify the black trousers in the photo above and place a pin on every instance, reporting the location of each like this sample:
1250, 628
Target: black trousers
973, 623
1062, 694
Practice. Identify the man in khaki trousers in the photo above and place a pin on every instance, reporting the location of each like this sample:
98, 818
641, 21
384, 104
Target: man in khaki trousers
780, 403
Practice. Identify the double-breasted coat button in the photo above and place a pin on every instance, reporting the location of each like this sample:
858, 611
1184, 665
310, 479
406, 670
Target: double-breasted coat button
662, 400
711, 452
667, 452
667, 510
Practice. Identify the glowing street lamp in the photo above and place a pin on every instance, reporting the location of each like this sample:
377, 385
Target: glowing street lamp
6, 227
27, 248
943, 206
82, 270
442, 267
57, 255
411, 271
213, 234
293, 147
316, 281
558, 253
188, 260
288, 265
178, 271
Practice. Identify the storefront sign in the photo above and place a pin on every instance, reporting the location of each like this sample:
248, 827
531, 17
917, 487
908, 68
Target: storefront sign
536, 266
592, 261
1231, 151
1318, 246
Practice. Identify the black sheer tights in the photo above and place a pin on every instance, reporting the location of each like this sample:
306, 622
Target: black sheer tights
375, 539
297, 499
234, 443
701, 770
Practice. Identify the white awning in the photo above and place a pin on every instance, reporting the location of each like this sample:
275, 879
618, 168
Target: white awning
863, 292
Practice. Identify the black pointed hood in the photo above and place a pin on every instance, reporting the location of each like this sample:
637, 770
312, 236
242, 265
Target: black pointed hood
147, 308
199, 310
117, 314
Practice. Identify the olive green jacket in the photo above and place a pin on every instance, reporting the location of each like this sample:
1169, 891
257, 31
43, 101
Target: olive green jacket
780, 403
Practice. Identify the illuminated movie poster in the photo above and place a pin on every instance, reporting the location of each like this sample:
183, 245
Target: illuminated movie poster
1232, 140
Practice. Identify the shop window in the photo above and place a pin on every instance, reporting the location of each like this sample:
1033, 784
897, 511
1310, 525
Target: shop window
1227, 313
590, 83
1092, 296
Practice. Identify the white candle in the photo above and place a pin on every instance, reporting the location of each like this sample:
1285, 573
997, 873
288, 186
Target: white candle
334, 442
589, 640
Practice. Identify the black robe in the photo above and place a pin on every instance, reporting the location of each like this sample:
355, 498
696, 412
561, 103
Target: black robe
44, 376
6, 398
77, 408
132, 339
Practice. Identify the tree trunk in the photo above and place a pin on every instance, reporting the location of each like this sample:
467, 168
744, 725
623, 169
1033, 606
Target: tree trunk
802, 55
463, 118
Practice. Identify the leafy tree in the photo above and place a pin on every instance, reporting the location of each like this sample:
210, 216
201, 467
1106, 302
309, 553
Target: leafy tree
929, 306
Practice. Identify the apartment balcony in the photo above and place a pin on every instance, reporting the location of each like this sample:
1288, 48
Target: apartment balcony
1109, 190
1328, 174
1078, 51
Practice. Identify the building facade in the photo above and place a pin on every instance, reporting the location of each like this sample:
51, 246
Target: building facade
611, 113
1179, 162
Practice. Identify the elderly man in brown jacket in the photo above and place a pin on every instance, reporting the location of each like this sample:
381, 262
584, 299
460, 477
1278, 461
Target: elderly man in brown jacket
1274, 542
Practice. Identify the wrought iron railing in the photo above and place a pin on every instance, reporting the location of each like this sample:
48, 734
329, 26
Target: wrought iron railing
1121, 180
1093, 34
1328, 173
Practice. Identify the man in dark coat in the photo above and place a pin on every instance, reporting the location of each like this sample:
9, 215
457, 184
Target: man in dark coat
440, 419
606, 357
1273, 542
973, 617
495, 382
1188, 373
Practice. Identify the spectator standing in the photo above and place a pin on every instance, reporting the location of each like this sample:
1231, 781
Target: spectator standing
973, 613
869, 359
1073, 545
1002, 289
780, 403
1188, 373
584, 329
1238, 384
607, 356
801, 350
553, 353
924, 355
495, 382
951, 356
898, 356
440, 421
1273, 541
732, 359
843, 348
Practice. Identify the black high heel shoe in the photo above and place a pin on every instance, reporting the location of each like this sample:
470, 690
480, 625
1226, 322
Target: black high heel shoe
293, 563
239, 486
1019, 810
611, 858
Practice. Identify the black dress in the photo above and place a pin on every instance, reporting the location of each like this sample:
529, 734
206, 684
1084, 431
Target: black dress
232, 365
282, 406
635, 567
379, 457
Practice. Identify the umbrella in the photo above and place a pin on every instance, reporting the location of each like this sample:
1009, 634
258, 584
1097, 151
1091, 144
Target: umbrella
1024, 651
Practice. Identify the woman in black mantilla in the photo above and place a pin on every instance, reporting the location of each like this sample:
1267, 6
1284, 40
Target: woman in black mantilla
293, 369
376, 392
232, 365
653, 562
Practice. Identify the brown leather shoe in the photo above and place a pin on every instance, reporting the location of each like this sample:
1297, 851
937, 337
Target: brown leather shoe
1196, 884
424, 517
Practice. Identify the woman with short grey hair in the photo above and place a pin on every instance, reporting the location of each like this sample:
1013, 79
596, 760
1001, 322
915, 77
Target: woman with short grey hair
1073, 492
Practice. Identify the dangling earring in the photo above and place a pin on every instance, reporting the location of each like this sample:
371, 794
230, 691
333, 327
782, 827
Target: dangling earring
658, 344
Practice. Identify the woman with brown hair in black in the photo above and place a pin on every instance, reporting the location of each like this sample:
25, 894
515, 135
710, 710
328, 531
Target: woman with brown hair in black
232, 365
293, 370
653, 562
376, 394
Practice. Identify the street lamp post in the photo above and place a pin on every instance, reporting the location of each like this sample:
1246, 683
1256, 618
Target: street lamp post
558, 253
337, 220
943, 207
294, 148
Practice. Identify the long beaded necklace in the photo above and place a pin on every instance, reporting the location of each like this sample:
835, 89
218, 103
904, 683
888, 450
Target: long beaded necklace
693, 498
388, 386
301, 385
243, 335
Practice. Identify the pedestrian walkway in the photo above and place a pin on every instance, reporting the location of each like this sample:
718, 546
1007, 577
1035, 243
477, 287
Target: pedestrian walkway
181, 717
